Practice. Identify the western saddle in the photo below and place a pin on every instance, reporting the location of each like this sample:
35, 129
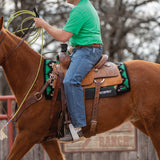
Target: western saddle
103, 74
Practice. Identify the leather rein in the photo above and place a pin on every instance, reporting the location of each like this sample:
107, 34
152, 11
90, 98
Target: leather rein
3, 37
18, 45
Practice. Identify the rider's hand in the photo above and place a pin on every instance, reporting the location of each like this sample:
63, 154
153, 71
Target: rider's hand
39, 22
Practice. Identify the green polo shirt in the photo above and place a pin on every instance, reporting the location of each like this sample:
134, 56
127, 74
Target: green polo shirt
84, 23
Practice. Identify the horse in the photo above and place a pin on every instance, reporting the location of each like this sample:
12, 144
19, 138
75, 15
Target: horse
140, 106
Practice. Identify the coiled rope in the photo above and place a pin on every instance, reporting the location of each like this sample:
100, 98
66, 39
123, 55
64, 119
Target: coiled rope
34, 38
31, 16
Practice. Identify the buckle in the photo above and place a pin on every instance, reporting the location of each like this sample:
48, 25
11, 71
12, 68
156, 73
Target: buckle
38, 96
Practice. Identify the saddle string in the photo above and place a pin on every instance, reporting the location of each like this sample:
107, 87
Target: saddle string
2, 134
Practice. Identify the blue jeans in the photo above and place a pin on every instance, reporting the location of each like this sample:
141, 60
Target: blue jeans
82, 61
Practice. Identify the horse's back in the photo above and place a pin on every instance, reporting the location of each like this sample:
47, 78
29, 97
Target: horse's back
143, 73
145, 85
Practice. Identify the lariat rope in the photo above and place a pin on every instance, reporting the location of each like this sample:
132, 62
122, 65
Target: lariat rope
36, 36
24, 30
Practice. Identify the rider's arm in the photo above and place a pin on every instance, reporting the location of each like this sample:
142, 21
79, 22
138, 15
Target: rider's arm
56, 33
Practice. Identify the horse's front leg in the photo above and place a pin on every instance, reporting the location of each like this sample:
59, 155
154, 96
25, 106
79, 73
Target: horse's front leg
21, 146
53, 149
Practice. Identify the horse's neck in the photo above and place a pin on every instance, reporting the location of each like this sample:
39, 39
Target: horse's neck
20, 69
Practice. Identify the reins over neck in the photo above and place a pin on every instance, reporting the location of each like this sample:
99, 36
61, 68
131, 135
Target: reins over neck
3, 37
18, 45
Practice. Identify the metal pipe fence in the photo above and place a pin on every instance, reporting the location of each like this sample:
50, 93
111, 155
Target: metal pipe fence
36, 153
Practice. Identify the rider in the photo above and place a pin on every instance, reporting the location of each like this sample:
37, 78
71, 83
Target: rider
83, 31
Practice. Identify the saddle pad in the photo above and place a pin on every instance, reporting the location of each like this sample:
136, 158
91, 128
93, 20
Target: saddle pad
108, 91
47, 70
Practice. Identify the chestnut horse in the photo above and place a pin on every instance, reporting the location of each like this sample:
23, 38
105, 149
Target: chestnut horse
141, 105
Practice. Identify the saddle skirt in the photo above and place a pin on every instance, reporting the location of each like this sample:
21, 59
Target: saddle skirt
108, 75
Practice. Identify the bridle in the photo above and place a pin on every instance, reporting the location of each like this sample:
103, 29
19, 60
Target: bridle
4, 58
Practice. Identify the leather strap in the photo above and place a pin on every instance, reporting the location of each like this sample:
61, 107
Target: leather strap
18, 45
3, 37
63, 99
95, 108
31, 100
4, 59
54, 98
92, 45
64, 117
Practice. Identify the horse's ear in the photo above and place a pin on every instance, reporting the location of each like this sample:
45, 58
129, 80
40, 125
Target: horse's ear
1, 22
